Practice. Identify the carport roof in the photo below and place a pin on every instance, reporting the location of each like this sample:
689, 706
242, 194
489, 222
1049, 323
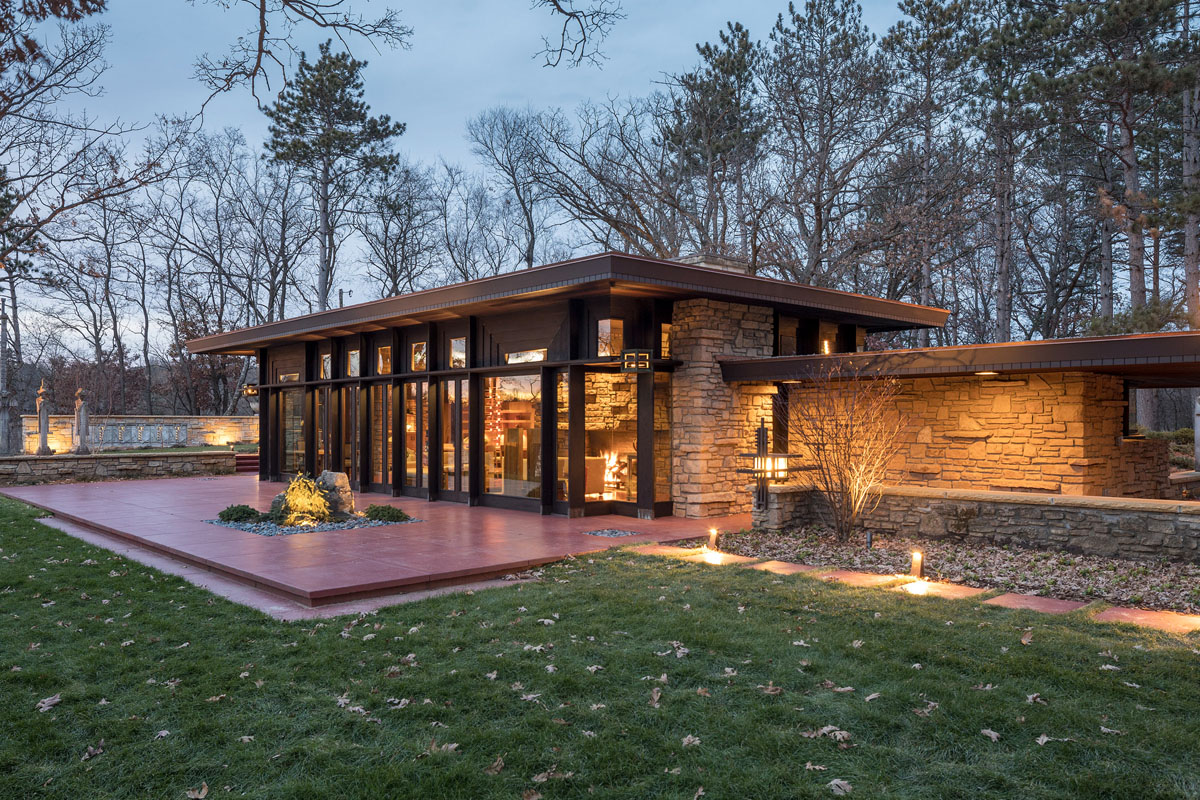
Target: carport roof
1144, 360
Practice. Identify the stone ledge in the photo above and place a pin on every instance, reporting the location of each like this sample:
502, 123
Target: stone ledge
1029, 498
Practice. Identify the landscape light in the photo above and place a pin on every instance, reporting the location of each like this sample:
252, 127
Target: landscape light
712, 538
918, 564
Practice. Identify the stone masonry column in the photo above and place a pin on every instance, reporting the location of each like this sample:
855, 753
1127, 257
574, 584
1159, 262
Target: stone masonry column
713, 421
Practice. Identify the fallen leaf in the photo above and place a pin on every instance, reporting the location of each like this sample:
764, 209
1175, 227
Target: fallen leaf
981, 687
991, 734
1111, 730
655, 696
1035, 698
691, 741
530, 794
495, 767
550, 774
162, 734
245, 739
699, 793
1110, 667
47, 703
197, 794
92, 752
839, 786
812, 766
772, 689
871, 696
1027, 637
703, 692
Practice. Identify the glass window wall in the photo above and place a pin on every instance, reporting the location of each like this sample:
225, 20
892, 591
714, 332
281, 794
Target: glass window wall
512, 435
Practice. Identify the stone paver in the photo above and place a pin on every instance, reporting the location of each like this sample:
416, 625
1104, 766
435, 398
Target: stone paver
717, 558
1032, 602
851, 578
1168, 621
951, 591
784, 567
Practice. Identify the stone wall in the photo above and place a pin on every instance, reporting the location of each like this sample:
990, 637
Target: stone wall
1058, 433
126, 432
713, 421
1103, 526
19, 470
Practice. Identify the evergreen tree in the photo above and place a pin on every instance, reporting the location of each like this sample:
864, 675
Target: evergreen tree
321, 124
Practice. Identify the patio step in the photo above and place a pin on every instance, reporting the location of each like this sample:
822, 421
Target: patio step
245, 462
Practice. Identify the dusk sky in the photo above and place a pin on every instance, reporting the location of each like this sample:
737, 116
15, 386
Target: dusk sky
466, 55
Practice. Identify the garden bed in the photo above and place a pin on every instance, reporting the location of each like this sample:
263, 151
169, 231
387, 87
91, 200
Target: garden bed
1167, 585
267, 528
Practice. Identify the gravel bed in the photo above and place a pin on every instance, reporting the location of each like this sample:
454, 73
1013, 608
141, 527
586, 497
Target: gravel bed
612, 533
1165, 585
272, 529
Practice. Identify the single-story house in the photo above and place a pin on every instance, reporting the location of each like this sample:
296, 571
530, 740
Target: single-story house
631, 385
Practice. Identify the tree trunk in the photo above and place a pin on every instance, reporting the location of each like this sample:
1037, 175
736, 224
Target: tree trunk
1002, 331
323, 271
1190, 169
1133, 209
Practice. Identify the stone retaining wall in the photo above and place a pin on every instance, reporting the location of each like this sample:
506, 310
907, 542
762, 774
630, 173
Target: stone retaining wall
20, 470
131, 432
1104, 526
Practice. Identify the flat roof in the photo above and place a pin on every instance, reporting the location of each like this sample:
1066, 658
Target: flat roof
1163, 360
615, 273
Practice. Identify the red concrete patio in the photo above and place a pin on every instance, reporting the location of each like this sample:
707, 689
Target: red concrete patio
452, 543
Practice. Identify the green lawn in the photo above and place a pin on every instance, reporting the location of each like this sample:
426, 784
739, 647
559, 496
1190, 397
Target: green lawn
133, 652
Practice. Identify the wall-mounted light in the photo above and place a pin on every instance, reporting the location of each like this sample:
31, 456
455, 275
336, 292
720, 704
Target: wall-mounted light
825, 347
987, 373
918, 564
765, 465
250, 390
773, 467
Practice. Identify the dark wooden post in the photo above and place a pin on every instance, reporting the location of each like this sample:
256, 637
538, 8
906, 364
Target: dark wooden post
645, 444
576, 441
549, 438
264, 420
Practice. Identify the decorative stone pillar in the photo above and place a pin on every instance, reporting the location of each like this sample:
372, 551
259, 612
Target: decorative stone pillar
82, 424
713, 422
43, 413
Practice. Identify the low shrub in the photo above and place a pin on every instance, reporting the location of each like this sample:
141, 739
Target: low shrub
381, 513
304, 503
239, 513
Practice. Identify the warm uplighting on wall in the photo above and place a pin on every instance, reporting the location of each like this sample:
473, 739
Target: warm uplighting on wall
987, 373
918, 564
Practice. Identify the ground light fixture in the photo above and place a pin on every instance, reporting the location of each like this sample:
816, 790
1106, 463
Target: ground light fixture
713, 533
918, 564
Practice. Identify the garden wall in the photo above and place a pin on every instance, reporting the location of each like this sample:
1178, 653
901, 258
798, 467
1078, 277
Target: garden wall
1058, 433
1103, 526
20, 470
130, 432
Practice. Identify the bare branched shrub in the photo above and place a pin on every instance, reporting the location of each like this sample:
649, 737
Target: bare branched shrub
845, 427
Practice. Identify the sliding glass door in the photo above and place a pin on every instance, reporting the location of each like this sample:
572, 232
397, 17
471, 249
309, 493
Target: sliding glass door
512, 437
454, 427
381, 437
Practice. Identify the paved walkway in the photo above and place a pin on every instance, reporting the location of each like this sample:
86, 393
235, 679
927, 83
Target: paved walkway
451, 544
1169, 621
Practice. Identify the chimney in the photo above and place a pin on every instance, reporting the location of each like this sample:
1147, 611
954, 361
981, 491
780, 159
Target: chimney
716, 261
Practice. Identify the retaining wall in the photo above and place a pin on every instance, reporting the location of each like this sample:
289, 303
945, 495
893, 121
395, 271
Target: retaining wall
1104, 526
20, 470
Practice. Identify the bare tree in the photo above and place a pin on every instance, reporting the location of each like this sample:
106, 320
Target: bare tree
845, 426
504, 139
397, 220
582, 28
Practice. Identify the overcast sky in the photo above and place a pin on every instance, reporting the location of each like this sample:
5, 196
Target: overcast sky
466, 55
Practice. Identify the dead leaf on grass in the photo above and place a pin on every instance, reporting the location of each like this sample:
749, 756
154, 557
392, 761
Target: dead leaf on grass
47, 703
92, 752
811, 766
1027, 637
495, 767
871, 696
197, 794
655, 697
840, 787
991, 734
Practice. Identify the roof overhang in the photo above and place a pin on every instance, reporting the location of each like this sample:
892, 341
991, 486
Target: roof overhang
614, 273
1144, 360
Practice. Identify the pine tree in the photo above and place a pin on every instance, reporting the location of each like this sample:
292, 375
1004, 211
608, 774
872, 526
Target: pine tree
321, 124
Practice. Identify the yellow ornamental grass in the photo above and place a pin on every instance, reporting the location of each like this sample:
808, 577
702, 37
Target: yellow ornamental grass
304, 504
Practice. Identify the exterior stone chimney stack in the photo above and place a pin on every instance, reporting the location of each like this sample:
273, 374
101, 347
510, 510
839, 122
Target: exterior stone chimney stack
715, 261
